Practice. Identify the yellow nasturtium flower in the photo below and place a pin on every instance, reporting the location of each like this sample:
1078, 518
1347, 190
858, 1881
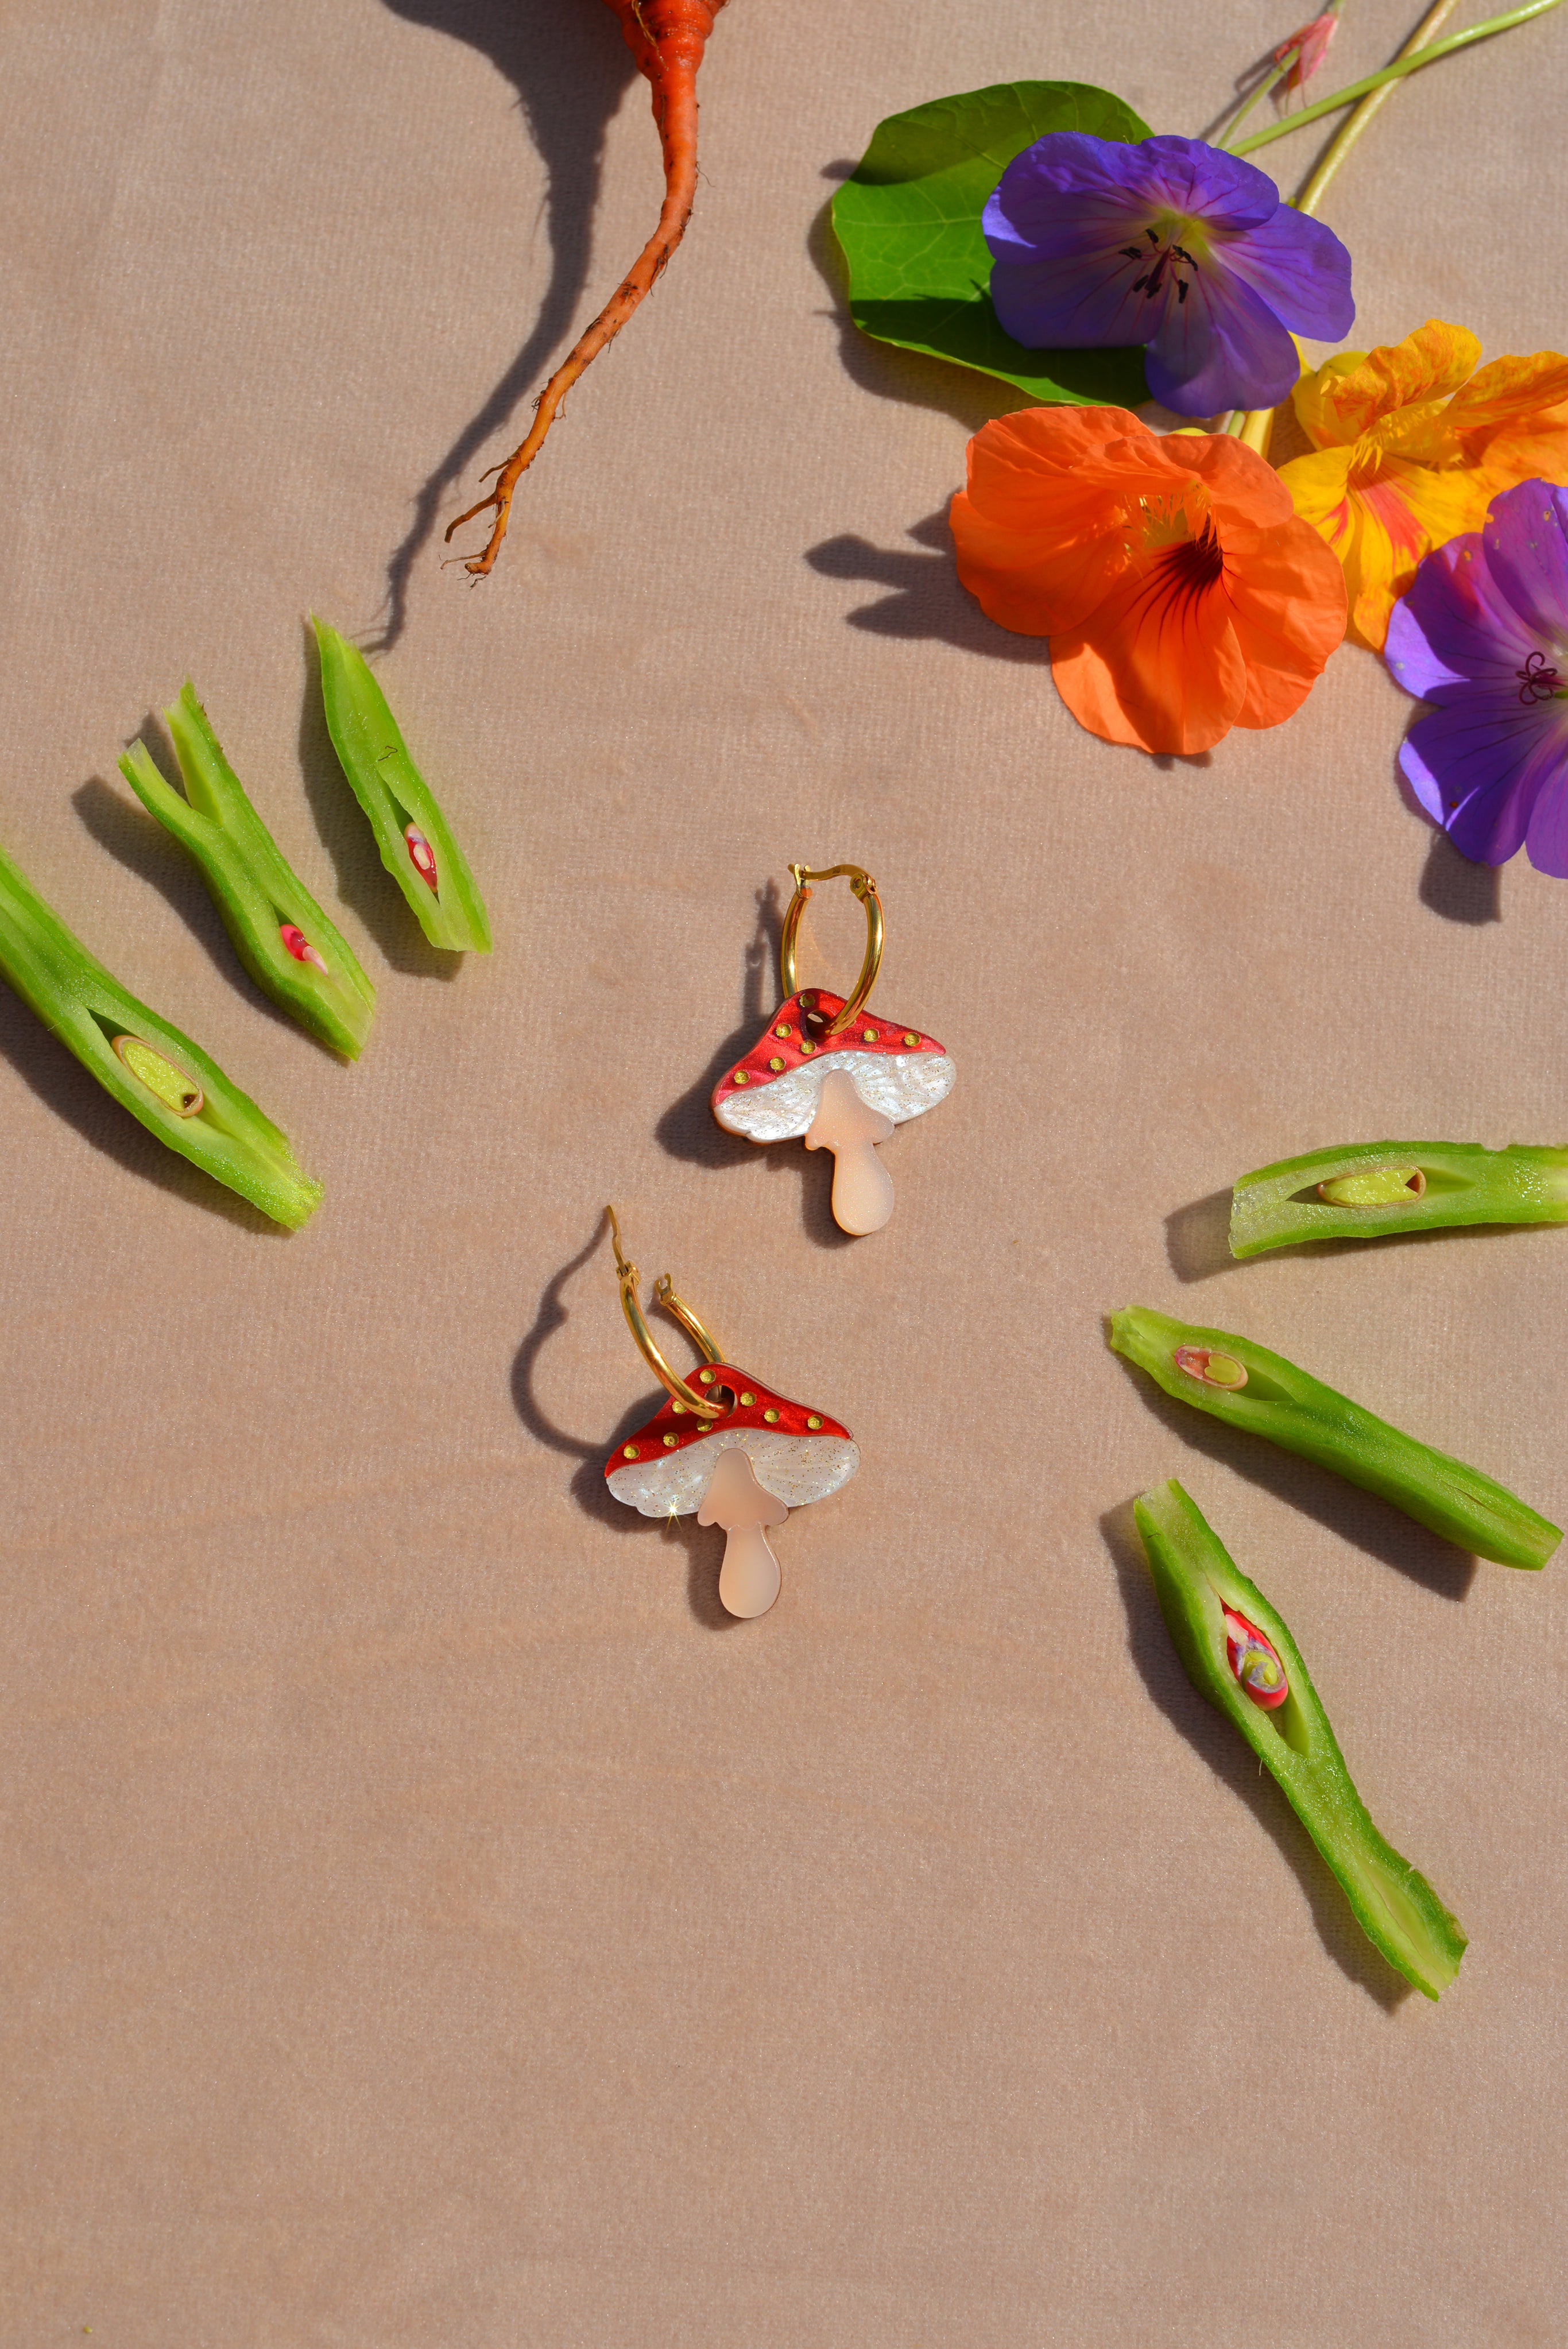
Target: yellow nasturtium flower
1412, 445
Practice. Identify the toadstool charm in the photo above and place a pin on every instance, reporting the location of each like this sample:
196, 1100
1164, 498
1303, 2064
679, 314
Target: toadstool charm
833, 1074
842, 1092
744, 1470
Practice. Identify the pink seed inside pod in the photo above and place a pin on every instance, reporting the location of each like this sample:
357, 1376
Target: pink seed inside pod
422, 854
1255, 1660
299, 946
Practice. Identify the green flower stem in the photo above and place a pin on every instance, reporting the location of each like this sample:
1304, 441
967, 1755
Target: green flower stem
158, 1074
1195, 1579
1271, 82
1350, 130
1279, 1205
399, 803
1272, 1397
254, 888
1401, 66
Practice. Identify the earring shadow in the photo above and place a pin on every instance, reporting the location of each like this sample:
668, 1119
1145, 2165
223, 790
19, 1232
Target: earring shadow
588, 1487
1211, 1737
364, 883
688, 1129
1370, 1524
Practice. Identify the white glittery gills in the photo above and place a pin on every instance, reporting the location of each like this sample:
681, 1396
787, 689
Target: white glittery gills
779, 1110
794, 1468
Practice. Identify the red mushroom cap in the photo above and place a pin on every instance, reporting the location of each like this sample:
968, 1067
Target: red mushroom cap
796, 1454
750, 1405
797, 1032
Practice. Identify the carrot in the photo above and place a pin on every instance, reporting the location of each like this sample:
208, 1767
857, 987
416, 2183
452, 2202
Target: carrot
667, 38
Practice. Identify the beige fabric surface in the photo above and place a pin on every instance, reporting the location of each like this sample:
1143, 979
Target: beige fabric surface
428, 1922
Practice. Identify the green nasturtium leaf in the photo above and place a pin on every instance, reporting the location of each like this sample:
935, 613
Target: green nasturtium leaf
909, 223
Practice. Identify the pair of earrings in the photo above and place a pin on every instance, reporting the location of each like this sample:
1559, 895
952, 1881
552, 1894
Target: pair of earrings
833, 1073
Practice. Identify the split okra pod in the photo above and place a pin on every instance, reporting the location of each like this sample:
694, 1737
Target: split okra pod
280, 933
1365, 1189
417, 843
1247, 1386
1238, 1652
154, 1070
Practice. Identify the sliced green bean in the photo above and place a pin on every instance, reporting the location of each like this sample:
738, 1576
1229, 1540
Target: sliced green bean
1367, 1188
1210, 1606
280, 933
152, 1069
414, 838
1247, 1386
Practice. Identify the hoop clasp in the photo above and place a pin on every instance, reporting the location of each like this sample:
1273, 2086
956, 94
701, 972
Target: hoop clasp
862, 886
687, 1398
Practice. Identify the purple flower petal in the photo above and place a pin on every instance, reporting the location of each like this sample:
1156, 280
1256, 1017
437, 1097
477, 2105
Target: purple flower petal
1478, 762
1171, 243
1526, 539
1300, 269
1222, 347
1454, 626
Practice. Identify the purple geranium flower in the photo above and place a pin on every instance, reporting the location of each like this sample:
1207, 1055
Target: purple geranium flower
1483, 636
1171, 243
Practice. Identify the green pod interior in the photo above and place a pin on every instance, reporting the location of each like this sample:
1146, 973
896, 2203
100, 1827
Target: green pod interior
1194, 1578
87, 1007
1301, 1414
250, 882
1279, 1205
395, 796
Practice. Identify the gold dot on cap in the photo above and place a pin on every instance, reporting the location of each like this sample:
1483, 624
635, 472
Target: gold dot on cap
776, 1064
678, 1406
629, 1451
771, 1416
807, 1046
739, 1078
868, 1035
813, 1421
912, 1039
807, 1002
670, 1443
782, 1028
706, 1377
747, 1401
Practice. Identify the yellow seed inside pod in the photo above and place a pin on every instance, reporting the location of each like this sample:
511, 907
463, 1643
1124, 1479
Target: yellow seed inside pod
776, 1064
173, 1088
771, 1416
628, 1451
813, 1421
1375, 1186
670, 1442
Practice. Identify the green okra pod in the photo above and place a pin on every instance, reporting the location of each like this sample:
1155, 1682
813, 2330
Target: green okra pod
1247, 1386
1366, 1189
176, 1091
280, 933
1238, 1652
416, 844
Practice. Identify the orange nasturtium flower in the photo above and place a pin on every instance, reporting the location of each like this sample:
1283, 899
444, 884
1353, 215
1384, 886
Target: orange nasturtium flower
1180, 594
1412, 447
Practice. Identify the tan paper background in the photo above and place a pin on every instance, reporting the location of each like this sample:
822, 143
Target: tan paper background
427, 1922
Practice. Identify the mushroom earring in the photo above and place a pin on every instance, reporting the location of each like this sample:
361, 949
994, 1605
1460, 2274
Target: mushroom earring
834, 1073
723, 1447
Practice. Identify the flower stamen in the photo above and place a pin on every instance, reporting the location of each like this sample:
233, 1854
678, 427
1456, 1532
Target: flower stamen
1537, 682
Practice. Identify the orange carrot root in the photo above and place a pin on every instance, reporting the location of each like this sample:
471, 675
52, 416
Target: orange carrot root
667, 38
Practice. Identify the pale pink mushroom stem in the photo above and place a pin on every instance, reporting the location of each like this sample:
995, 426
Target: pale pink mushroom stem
749, 1578
850, 1128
